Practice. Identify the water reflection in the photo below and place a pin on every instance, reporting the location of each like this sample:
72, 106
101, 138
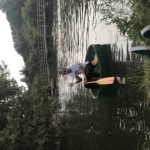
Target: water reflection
120, 122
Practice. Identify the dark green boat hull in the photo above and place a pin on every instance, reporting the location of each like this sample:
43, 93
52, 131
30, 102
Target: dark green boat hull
103, 67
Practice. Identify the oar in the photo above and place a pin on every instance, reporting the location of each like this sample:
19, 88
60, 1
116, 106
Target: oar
103, 81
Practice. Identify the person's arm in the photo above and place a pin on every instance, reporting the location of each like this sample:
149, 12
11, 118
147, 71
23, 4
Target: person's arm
78, 80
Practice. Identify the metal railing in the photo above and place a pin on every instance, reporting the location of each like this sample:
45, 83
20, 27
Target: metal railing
42, 43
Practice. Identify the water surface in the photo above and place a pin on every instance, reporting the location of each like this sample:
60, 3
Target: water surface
120, 122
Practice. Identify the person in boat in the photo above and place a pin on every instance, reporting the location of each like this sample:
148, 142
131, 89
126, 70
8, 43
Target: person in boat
86, 69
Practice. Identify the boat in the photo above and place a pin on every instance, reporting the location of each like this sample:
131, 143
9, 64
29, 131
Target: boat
143, 50
145, 32
103, 68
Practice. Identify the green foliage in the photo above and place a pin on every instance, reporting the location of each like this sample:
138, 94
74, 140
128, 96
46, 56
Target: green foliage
26, 117
26, 121
22, 17
146, 146
146, 77
13, 14
130, 16
9, 91
29, 29
8, 87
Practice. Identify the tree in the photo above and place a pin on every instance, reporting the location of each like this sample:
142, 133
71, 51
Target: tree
8, 90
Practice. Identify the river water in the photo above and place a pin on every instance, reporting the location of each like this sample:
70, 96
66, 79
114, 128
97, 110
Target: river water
79, 25
120, 122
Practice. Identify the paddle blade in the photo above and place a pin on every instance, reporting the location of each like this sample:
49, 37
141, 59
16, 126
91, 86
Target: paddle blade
103, 81
106, 81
